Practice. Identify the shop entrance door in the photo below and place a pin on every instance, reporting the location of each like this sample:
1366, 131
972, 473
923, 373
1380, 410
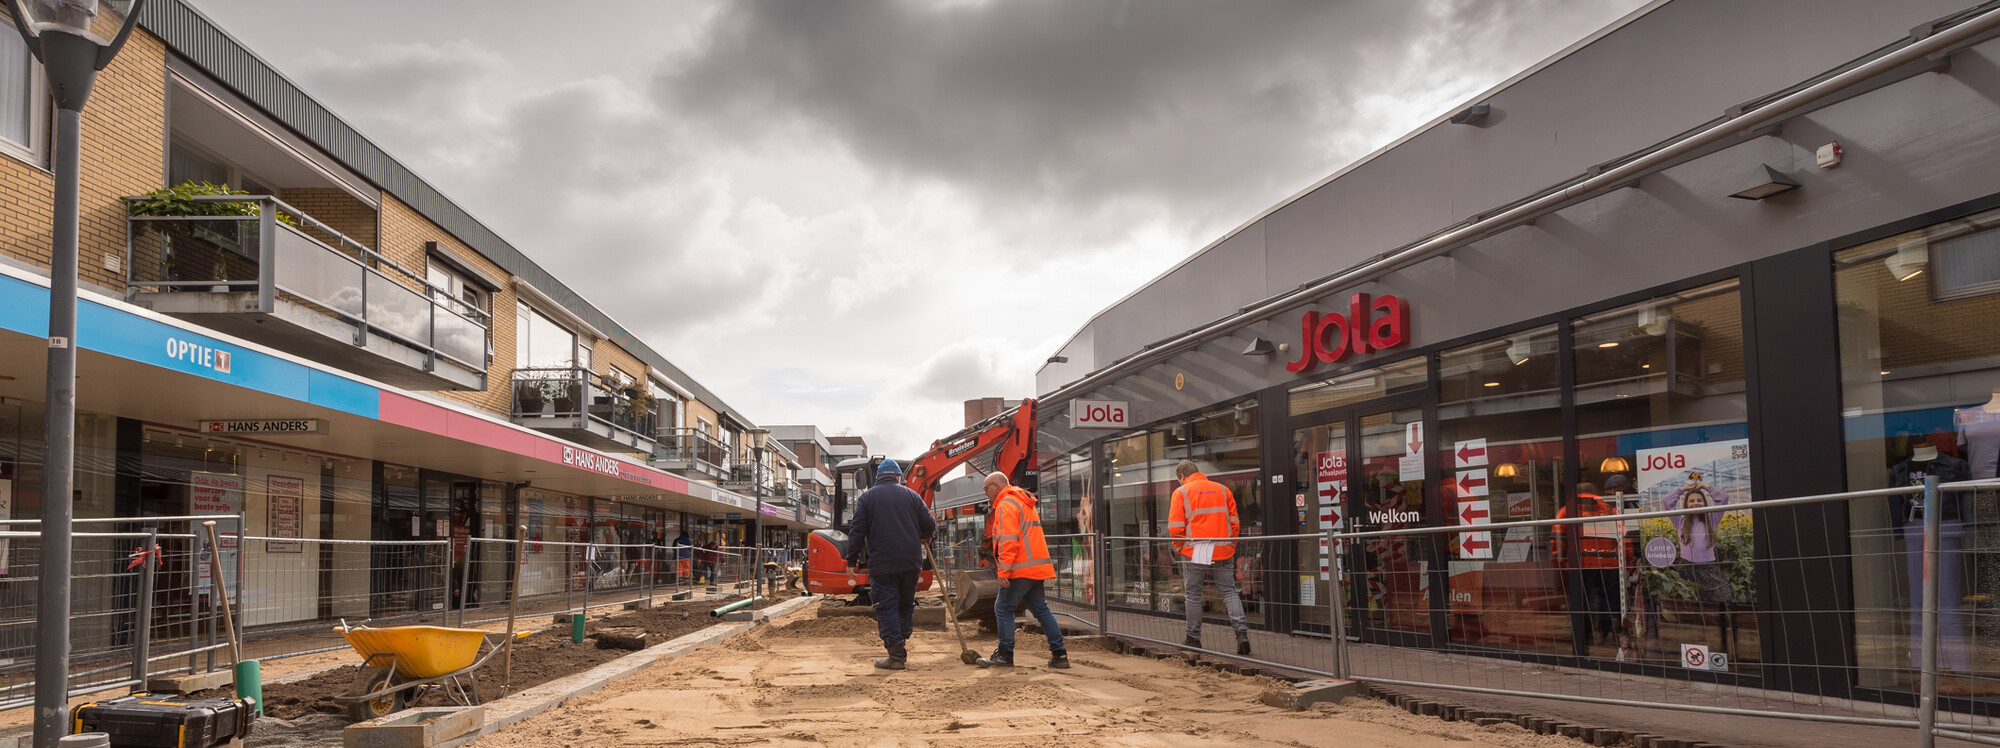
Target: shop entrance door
1361, 467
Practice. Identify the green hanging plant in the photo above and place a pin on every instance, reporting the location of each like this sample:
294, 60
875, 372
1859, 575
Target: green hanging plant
178, 200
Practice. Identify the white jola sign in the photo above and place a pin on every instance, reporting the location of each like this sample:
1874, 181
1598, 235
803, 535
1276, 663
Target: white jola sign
1099, 414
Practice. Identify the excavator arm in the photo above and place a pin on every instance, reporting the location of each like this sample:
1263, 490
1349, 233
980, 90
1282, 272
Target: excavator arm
1009, 437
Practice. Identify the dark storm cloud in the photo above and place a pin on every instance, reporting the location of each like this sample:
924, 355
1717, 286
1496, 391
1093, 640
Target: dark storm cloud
1078, 103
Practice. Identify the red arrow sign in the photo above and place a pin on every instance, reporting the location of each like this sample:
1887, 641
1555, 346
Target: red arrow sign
1466, 454
1475, 545
1468, 484
1467, 513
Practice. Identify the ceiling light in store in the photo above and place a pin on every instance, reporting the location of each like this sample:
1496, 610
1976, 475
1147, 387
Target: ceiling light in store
1507, 470
1768, 182
1909, 260
1609, 344
1614, 465
1885, 373
1492, 384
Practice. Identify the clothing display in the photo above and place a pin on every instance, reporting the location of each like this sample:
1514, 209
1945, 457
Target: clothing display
1906, 514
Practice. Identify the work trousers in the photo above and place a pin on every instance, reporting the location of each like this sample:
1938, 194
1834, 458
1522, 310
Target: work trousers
1028, 592
895, 599
1225, 581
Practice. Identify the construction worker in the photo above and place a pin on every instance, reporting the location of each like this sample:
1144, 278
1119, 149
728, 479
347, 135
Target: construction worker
1204, 512
891, 524
1024, 566
1597, 549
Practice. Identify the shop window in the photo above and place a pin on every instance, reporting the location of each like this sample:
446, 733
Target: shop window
1141, 480
1919, 331
1409, 375
1500, 403
1068, 512
1660, 407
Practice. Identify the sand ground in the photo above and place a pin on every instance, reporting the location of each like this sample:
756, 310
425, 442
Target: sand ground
810, 681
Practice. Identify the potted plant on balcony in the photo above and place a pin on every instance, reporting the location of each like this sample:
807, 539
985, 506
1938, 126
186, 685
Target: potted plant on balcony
223, 238
566, 393
529, 393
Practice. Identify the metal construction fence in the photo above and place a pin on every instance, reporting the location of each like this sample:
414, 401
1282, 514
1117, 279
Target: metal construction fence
1665, 610
145, 591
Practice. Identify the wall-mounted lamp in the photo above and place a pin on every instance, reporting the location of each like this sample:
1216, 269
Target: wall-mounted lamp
1768, 182
1059, 359
1260, 346
1614, 465
1472, 115
1909, 260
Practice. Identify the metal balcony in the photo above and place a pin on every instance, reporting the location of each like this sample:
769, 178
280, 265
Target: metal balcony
580, 406
693, 453
301, 287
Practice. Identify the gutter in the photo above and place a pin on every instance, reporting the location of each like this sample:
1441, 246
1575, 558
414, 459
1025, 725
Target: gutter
1926, 49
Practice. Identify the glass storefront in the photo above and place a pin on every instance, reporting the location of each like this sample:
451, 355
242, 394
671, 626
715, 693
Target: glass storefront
1224, 445
1505, 396
1068, 509
1919, 325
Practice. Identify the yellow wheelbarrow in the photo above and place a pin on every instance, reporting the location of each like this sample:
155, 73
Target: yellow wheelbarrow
400, 664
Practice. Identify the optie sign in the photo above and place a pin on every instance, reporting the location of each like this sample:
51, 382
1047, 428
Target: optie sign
1099, 414
207, 357
1368, 326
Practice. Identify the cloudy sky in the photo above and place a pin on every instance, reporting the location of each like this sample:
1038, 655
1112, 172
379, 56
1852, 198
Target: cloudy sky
860, 214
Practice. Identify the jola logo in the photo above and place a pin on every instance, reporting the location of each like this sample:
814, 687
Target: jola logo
1330, 337
1668, 461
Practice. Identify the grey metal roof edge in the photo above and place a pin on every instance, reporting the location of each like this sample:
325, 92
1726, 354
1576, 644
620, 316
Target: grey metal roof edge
202, 42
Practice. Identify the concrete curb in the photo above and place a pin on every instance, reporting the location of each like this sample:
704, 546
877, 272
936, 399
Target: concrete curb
512, 709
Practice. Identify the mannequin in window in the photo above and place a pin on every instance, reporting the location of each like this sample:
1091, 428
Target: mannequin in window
1978, 429
1907, 514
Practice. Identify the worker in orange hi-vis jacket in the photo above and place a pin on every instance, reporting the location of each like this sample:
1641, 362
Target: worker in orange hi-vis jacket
1203, 521
1024, 566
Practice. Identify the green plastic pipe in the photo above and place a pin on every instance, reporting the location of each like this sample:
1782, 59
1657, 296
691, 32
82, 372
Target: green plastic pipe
576, 628
250, 684
718, 612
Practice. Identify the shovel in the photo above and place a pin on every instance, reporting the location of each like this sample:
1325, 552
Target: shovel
965, 654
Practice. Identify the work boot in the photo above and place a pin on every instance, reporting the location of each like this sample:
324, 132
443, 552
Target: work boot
1000, 658
1243, 643
1193, 641
1059, 659
898, 659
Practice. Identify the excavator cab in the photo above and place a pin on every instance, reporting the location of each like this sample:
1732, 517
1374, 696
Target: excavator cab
826, 550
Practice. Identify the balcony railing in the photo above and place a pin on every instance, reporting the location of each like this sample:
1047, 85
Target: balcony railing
573, 399
282, 257
691, 450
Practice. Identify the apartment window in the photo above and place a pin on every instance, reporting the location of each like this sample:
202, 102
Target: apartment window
23, 101
540, 343
706, 427
670, 412
447, 283
621, 379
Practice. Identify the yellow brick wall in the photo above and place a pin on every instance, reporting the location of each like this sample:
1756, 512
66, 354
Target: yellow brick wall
340, 211
404, 233
696, 411
607, 354
124, 133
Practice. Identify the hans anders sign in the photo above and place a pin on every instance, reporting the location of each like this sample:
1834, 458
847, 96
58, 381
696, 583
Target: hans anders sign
1099, 414
265, 426
1368, 326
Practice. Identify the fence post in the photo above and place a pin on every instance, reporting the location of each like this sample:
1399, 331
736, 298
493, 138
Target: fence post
444, 580
465, 582
1927, 704
589, 575
142, 644
1336, 606
1100, 566
242, 565
194, 605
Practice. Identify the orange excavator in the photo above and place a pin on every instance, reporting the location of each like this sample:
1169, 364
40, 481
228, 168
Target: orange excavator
1008, 439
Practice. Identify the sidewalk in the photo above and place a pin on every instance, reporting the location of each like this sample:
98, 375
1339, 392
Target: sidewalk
1312, 656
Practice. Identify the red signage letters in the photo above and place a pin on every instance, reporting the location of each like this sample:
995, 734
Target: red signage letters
1328, 338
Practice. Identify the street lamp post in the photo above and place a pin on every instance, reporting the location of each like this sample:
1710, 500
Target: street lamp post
759, 438
58, 33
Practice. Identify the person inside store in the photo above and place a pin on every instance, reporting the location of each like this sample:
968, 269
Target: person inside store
1205, 511
683, 557
1594, 553
891, 525
1906, 515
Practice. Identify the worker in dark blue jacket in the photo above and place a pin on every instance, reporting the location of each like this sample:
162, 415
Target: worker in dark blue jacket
891, 524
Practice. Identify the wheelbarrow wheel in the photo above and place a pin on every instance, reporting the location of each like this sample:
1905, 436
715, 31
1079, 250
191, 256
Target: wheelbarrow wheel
362, 711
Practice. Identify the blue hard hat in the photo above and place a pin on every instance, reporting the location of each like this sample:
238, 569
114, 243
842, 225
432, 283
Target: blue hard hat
890, 467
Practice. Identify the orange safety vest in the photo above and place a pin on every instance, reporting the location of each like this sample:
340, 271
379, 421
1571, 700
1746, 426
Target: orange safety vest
1599, 541
1017, 537
1203, 508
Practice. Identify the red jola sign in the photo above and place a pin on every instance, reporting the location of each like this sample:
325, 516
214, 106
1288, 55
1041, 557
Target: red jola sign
1328, 338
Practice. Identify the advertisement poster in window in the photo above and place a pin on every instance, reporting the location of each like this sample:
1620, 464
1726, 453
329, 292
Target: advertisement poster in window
536, 514
284, 513
213, 494
1708, 557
